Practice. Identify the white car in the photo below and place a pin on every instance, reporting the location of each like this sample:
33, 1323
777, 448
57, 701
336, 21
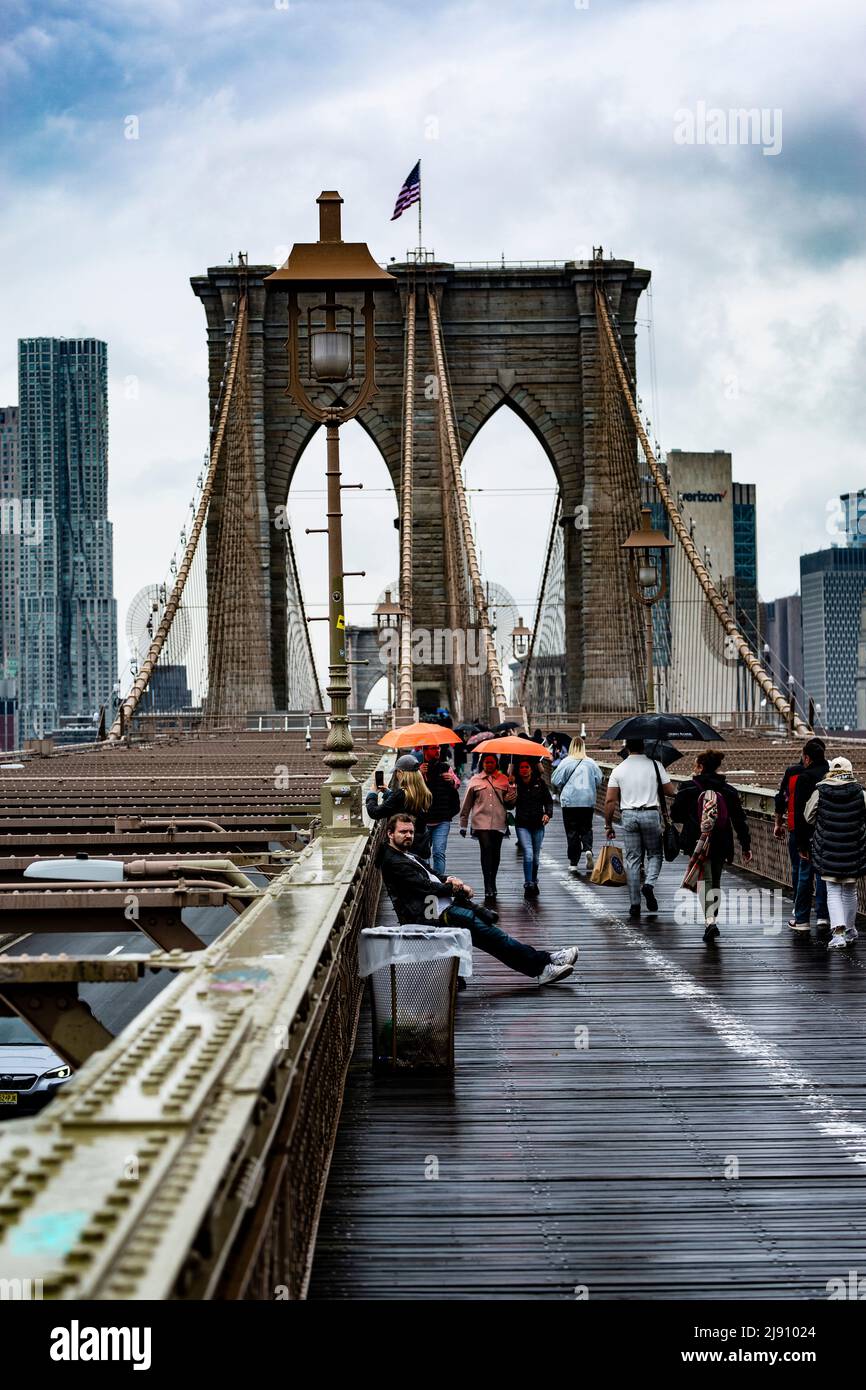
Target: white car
30, 1072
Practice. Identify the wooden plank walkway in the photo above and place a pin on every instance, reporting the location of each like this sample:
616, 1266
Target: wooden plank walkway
708, 1141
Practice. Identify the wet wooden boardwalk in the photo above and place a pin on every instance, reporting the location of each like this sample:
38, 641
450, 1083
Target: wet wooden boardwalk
705, 1137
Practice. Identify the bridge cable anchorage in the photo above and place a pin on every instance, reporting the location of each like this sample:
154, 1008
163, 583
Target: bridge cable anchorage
711, 593
129, 704
454, 458
404, 679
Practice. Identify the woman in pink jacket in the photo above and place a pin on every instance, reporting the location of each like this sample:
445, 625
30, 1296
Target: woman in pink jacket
488, 794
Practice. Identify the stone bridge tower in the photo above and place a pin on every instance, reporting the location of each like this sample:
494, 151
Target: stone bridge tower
520, 337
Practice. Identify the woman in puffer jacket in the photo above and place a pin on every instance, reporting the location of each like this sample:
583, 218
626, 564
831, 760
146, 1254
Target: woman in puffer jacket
837, 809
577, 779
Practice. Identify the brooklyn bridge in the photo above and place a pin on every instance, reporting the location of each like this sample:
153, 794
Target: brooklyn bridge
183, 898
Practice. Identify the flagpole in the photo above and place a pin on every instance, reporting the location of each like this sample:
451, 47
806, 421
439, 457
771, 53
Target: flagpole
419, 205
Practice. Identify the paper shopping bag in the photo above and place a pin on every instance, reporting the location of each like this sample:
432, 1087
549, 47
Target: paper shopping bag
609, 867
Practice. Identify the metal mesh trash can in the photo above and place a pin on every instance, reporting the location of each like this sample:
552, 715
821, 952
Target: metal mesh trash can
413, 988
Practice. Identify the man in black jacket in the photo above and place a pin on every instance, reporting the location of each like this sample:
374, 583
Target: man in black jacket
422, 896
787, 804
815, 770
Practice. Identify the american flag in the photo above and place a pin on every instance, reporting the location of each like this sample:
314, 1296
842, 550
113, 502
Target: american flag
410, 192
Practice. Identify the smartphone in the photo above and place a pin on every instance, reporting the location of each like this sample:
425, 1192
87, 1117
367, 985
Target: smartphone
379, 778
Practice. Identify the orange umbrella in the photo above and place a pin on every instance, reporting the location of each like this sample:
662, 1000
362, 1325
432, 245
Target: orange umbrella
415, 735
518, 747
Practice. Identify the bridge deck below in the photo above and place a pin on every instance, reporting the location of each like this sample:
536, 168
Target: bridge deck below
708, 1142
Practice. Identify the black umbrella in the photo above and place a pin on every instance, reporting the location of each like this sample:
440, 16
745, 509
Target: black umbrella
506, 725
465, 730
662, 752
662, 726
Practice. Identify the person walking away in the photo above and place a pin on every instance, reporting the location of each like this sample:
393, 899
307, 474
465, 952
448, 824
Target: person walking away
420, 895
808, 879
837, 810
634, 788
813, 753
488, 793
409, 792
533, 809
444, 785
710, 812
577, 778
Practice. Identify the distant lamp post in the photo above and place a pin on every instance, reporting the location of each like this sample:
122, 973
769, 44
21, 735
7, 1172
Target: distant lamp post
648, 581
387, 616
521, 637
325, 353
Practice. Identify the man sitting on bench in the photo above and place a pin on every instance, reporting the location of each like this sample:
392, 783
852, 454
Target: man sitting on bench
421, 896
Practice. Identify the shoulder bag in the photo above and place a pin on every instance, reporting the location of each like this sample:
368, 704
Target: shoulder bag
670, 834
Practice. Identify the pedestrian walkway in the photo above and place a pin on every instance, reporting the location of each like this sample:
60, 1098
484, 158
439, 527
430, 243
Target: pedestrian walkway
675, 1120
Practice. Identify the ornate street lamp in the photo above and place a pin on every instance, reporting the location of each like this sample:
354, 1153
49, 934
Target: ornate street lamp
387, 616
326, 353
648, 581
520, 639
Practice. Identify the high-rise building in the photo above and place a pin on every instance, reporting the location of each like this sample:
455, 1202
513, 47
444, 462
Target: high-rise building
782, 629
10, 579
854, 517
68, 639
746, 560
832, 585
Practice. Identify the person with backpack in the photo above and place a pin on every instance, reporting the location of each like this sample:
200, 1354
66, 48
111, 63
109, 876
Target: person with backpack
444, 785
488, 794
577, 778
837, 810
798, 782
710, 812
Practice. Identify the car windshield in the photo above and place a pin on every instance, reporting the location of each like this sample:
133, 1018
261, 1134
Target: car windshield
14, 1032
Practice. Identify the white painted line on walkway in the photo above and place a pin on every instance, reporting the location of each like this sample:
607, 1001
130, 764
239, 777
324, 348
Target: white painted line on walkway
830, 1119
116, 951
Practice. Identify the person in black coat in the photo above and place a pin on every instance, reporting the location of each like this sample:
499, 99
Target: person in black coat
532, 811
444, 788
790, 804
421, 896
837, 810
408, 792
687, 810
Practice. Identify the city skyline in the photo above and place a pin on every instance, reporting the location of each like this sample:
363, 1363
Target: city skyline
756, 252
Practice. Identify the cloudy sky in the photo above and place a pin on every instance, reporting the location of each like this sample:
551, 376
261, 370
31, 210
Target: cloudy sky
543, 128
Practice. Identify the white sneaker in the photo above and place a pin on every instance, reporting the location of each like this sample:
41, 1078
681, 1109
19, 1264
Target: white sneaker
822, 922
842, 937
589, 861
798, 926
567, 953
561, 964
574, 870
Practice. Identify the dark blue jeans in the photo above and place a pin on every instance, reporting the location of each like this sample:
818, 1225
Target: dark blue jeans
807, 876
530, 845
794, 855
514, 954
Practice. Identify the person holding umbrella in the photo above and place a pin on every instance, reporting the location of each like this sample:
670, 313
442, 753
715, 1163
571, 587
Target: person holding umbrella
488, 794
635, 788
534, 807
444, 785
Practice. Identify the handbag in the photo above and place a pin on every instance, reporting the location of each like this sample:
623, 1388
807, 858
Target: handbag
670, 834
609, 869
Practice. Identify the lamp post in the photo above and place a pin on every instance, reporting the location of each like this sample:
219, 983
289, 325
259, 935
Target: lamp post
325, 353
648, 581
520, 638
387, 615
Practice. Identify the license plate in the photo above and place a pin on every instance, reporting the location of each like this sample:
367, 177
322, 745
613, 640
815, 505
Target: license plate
8, 1097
